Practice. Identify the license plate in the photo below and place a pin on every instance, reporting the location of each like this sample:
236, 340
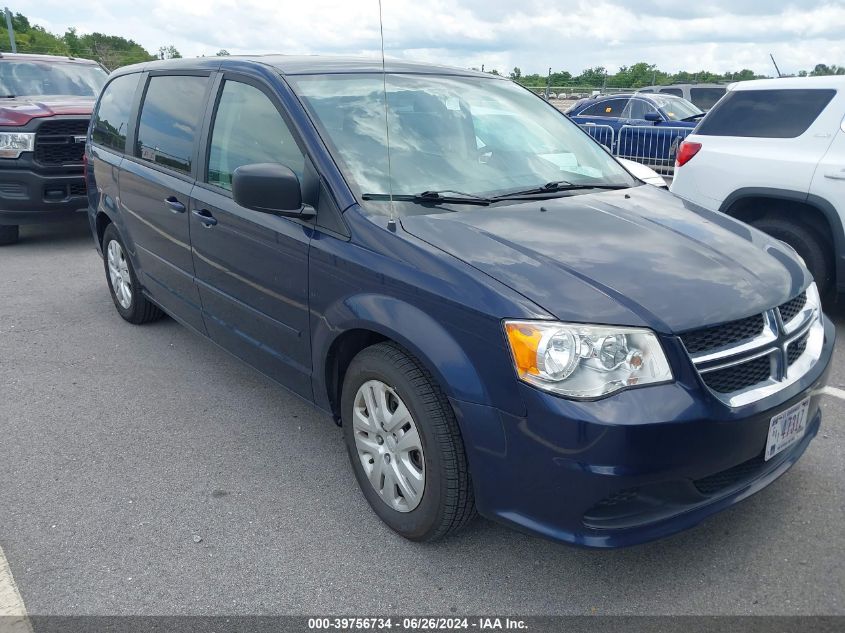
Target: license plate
786, 428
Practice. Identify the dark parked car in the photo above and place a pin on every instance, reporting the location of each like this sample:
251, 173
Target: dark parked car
45, 107
502, 322
641, 127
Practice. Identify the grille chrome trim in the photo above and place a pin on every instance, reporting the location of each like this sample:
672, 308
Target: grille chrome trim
804, 316
806, 327
737, 361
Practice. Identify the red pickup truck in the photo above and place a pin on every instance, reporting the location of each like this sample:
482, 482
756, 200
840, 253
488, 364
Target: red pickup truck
45, 107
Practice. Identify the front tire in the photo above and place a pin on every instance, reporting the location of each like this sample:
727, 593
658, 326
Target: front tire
404, 445
9, 234
123, 283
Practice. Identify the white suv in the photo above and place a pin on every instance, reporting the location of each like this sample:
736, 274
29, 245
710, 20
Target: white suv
772, 153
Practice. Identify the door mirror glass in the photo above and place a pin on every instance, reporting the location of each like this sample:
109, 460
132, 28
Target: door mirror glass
270, 188
653, 116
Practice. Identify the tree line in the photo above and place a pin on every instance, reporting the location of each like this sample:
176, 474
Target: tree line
644, 74
113, 51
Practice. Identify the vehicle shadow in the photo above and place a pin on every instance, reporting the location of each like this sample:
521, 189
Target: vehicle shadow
70, 232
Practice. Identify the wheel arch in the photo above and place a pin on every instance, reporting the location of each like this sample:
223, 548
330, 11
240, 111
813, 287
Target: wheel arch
821, 217
359, 322
101, 221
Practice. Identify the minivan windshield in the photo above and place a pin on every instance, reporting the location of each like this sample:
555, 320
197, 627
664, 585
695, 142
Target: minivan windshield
35, 78
472, 135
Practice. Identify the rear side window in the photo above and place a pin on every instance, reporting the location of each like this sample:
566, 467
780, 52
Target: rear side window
611, 108
765, 113
248, 129
112, 116
673, 91
706, 98
170, 117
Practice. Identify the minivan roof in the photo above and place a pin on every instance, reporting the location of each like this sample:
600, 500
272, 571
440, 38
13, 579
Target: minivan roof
310, 65
830, 81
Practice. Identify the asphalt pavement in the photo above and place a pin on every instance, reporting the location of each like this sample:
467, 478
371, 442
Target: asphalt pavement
145, 471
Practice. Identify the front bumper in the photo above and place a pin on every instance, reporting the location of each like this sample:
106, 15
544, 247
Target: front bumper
30, 196
631, 468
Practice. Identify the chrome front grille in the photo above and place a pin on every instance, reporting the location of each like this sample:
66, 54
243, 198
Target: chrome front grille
741, 376
721, 335
745, 360
797, 348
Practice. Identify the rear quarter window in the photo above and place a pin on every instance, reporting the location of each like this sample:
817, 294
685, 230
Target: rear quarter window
112, 116
706, 98
611, 108
766, 113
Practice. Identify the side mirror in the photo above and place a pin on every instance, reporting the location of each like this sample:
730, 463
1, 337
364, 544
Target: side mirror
270, 188
653, 116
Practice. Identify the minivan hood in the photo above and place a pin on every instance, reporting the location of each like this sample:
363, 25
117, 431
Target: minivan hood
631, 257
21, 110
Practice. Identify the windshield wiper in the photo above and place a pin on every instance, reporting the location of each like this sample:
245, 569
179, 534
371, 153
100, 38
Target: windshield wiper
693, 117
8, 96
437, 197
555, 187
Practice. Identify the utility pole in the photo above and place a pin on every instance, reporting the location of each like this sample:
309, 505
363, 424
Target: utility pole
548, 83
777, 70
11, 30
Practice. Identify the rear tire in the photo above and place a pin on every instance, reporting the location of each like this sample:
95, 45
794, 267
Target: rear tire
442, 499
9, 234
808, 243
125, 290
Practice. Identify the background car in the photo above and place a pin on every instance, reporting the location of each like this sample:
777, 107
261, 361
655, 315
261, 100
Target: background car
644, 173
705, 96
772, 153
640, 127
45, 107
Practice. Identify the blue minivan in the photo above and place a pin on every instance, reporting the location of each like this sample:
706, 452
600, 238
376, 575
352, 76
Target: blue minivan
502, 319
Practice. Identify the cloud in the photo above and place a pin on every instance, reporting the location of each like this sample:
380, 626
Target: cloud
719, 35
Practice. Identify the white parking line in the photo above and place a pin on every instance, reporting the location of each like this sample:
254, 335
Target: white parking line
13, 618
832, 391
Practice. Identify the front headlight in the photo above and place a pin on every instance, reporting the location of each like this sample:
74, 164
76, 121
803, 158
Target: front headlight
585, 361
13, 143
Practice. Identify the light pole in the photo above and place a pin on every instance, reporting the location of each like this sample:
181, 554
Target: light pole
11, 30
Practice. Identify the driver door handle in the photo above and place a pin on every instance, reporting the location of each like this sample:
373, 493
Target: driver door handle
205, 217
836, 175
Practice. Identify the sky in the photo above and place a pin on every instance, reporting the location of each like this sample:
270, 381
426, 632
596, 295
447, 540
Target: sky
716, 35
